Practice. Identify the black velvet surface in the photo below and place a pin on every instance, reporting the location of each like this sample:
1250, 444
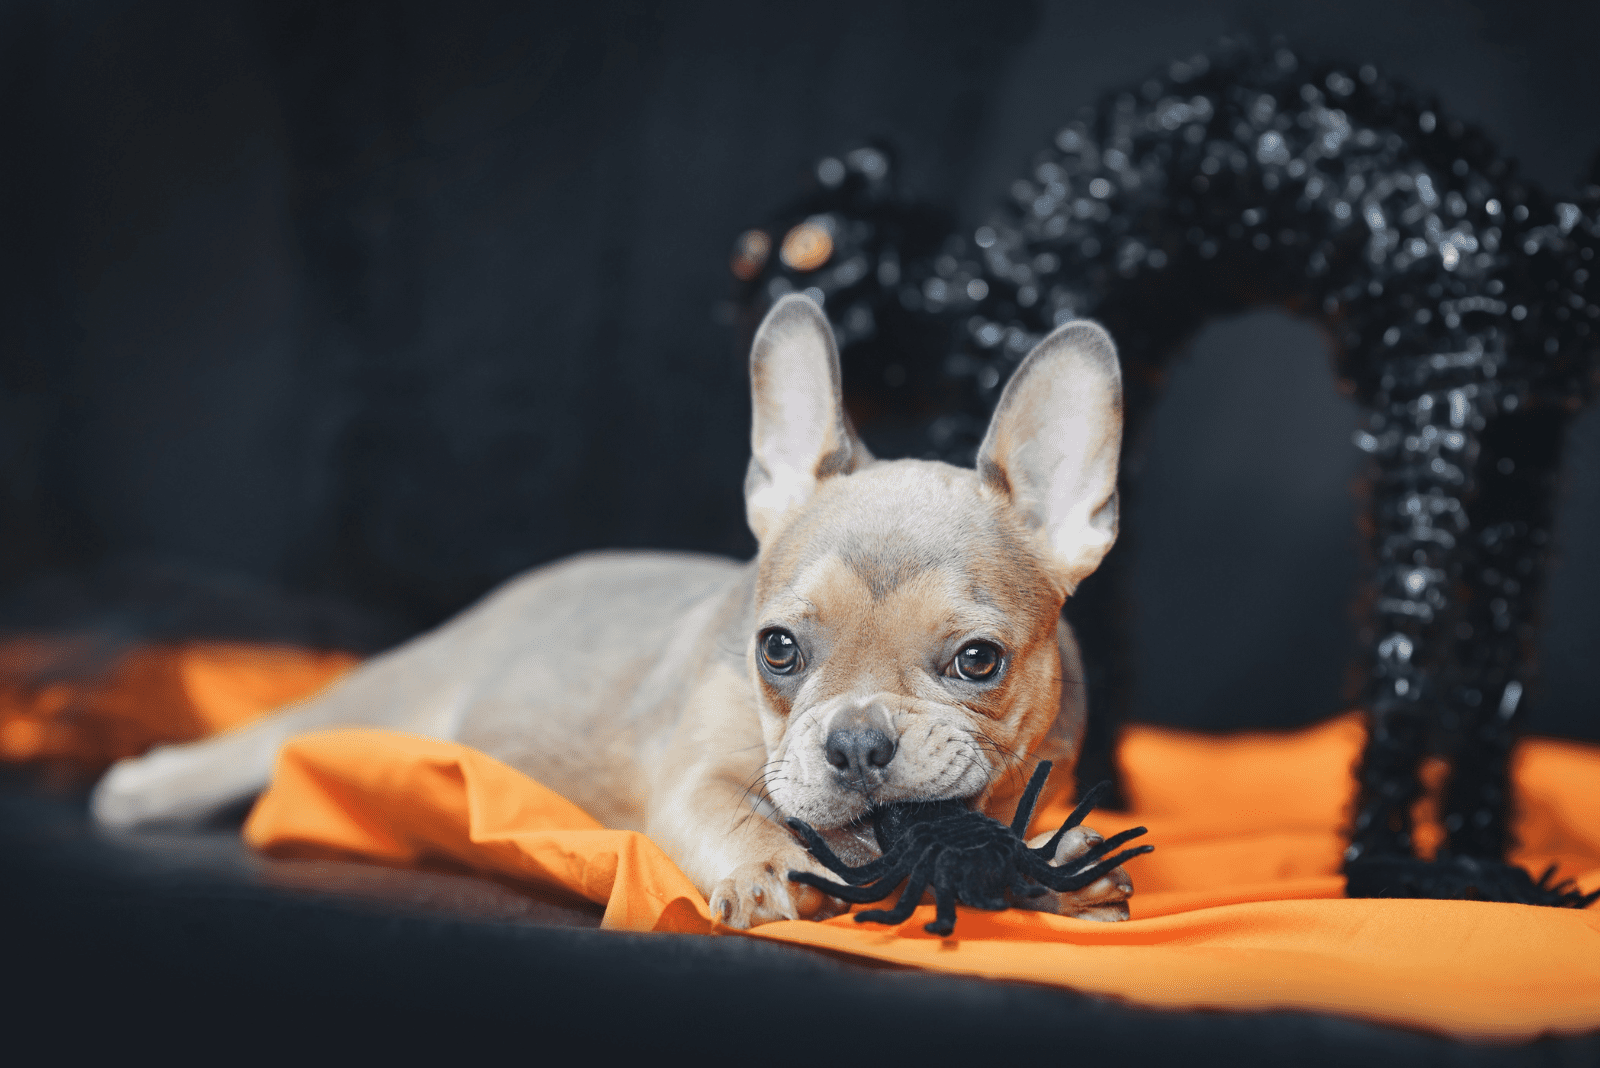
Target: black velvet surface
188, 945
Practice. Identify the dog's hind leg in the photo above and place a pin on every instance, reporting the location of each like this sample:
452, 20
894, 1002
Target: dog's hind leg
185, 784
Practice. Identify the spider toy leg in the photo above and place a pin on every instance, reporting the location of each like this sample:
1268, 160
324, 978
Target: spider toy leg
1090, 800
830, 860
944, 919
856, 895
1019, 822
916, 883
1022, 887
1074, 876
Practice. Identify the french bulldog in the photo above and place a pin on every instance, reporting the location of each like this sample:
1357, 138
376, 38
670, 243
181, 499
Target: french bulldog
897, 637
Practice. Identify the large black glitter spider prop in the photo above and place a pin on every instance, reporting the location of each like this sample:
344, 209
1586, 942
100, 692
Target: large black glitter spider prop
1464, 308
1464, 316
966, 857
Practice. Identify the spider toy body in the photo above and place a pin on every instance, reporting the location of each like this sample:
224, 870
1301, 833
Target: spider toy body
964, 856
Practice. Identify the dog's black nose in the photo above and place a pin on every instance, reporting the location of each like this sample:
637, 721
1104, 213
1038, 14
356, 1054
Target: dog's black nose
855, 751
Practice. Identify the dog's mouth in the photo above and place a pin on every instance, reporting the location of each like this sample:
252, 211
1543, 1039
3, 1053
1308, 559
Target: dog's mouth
858, 813
877, 808
847, 792
879, 812
861, 839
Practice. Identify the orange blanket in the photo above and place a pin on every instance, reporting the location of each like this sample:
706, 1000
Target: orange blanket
72, 702
1240, 907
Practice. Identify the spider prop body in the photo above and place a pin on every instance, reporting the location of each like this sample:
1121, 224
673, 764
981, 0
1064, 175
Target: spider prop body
965, 856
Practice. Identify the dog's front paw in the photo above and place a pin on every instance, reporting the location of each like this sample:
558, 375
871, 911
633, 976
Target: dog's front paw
1104, 900
760, 892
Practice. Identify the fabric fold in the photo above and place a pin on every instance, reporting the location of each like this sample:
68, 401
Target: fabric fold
405, 800
1232, 913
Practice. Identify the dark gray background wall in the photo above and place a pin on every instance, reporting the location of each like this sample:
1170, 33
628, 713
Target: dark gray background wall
368, 306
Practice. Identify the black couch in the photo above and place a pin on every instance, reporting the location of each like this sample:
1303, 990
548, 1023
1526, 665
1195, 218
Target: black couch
320, 320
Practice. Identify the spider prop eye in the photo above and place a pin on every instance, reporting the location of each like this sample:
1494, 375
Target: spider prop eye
978, 662
780, 653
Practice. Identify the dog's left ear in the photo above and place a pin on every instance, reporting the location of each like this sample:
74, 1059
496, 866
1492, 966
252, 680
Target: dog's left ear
1053, 446
799, 434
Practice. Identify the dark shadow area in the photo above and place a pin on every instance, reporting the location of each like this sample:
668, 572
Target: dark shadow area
1243, 597
1569, 635
375, 305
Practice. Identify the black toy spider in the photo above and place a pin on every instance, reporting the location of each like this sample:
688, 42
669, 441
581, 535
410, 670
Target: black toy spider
966, 856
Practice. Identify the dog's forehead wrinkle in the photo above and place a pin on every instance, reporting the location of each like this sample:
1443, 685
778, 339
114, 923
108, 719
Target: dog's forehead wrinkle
896, 520
936, 603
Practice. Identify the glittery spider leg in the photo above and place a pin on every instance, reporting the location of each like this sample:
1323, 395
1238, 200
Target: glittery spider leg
1419, 533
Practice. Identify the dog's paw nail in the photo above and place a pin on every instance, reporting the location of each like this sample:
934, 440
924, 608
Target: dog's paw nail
760, 892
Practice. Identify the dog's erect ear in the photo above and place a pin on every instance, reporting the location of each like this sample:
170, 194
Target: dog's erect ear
1053, 446
798, 434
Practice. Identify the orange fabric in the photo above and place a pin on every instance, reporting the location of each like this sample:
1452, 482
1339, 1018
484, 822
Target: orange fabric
1240, 907
65, 700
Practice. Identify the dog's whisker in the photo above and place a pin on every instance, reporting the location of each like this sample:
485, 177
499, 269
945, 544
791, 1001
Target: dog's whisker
757, 788
1018, 760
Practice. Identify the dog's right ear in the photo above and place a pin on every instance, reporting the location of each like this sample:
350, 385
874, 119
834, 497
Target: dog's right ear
798, 435
1053, 446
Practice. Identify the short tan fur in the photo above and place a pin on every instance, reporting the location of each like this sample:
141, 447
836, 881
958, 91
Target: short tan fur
643, 686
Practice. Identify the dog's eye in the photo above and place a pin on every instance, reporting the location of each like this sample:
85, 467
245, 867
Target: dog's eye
780, 652
977, 662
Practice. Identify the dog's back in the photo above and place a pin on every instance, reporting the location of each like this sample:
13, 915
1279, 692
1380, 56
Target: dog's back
566, 673
588, 669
